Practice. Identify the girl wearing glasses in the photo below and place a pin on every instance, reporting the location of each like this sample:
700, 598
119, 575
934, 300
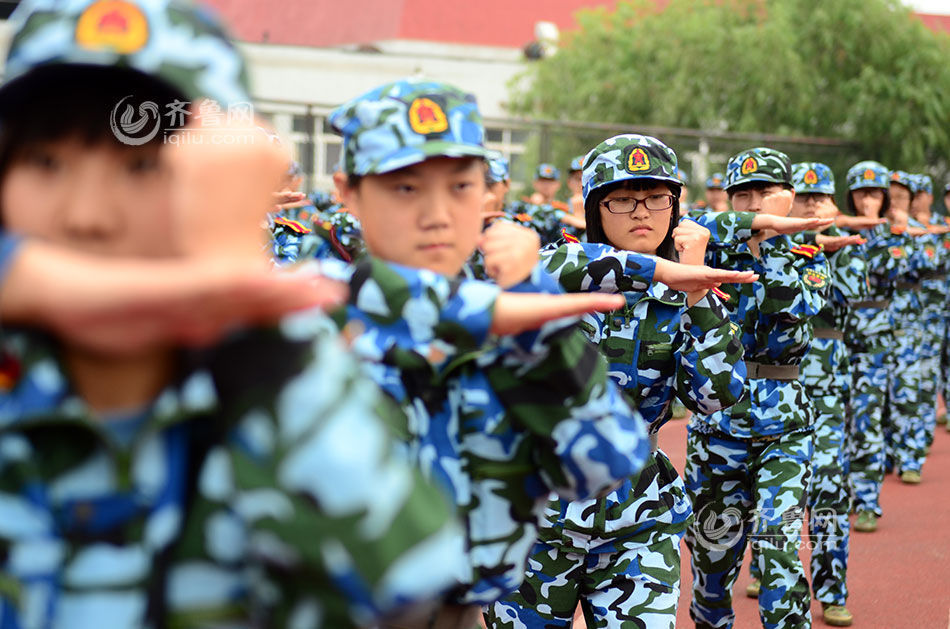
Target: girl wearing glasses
618, 555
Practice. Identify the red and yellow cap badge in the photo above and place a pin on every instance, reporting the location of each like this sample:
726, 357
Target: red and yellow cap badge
112, 25
750, 165
426, 116
869, 175
815, 279
811, 178
638, 161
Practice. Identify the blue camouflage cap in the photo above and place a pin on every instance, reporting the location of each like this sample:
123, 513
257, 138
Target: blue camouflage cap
715, 181
924, 183
174, 41
683, 176
868, 174
946, 187
628, 157
904, 178
760, 164
497, 167
547, 171
577, 164
405, 123
812, 178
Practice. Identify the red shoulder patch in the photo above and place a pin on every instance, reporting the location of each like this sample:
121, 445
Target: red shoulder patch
568, 237
721, 295
809, 251
296, 226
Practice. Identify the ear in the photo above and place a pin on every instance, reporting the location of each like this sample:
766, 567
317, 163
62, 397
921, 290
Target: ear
348, 196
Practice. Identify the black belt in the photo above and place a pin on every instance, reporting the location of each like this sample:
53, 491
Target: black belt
771, 372
908, 285
880, 304
829, 333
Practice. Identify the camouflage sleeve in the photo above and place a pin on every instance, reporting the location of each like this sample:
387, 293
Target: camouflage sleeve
344, 526
885, 255
849, 276
726, 228
416, 308
711, 374
554, 385
597, 268
795, 286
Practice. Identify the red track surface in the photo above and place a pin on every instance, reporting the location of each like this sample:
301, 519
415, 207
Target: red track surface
898, 576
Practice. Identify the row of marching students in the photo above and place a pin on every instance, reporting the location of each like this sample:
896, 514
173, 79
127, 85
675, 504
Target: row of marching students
437, 445
741, 358
732, 354
380, 462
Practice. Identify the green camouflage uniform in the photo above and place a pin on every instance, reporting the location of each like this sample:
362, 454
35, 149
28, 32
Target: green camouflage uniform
619, 555
747, 467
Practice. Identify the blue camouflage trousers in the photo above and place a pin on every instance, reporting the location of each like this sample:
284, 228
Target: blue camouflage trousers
931, 375
634, 586
909, 426
748, 491
873, 371
829, 502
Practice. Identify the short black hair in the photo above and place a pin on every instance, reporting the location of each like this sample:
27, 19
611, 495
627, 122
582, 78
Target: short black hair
62, 101
595, 228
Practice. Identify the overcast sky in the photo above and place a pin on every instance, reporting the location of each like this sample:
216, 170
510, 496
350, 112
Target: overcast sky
930, 6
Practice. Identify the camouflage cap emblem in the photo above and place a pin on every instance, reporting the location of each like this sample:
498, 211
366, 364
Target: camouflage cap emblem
868, 174
749, 166
577, 163
112, 24
427, 116
638, 161
547, 171
628, 157
812, 178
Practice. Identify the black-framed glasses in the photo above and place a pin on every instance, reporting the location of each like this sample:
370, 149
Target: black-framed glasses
626, 205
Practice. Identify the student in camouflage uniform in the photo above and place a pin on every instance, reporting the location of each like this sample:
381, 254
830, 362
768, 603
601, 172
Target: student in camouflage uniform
498, 422
619, 555
933, 297
716, 198
826, 374
575, 184
747, 467
871, 339
169, 488
904, 436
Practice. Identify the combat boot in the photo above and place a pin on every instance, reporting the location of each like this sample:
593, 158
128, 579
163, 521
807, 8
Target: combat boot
866, 522
752, 590
910, 477
836, 615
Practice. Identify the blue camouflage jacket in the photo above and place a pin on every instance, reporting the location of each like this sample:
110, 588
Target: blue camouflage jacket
499, 422
774, 314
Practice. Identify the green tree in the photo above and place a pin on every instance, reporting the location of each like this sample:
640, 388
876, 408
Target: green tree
865, 71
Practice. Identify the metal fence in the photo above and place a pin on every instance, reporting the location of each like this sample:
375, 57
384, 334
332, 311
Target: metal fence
527, 142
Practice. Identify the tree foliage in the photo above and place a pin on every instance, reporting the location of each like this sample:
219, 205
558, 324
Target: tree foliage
866, 71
